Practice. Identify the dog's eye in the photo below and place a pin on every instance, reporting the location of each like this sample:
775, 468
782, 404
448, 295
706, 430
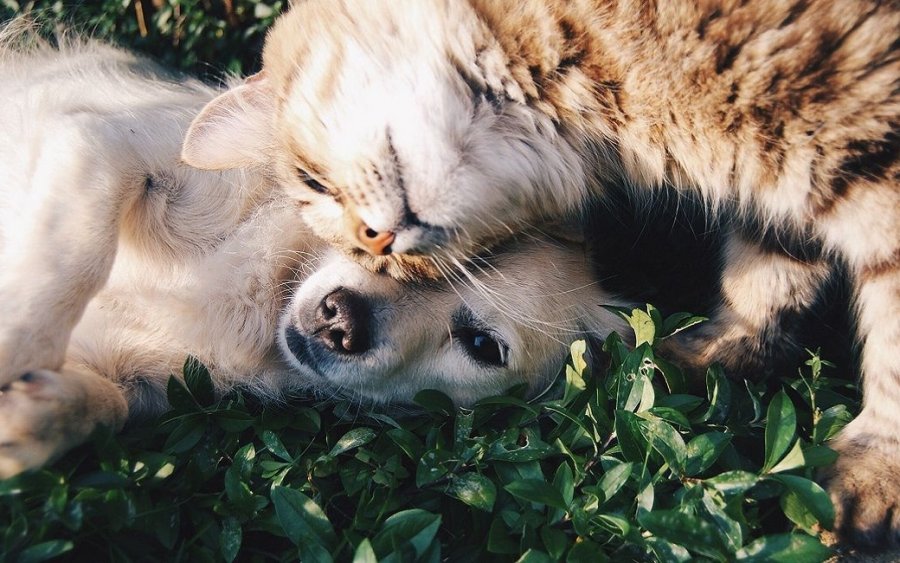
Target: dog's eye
311, 182
482, 346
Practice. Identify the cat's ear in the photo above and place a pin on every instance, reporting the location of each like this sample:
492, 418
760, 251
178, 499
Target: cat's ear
234, 130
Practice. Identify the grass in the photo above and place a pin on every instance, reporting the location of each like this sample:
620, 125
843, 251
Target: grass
622, 465
208, 38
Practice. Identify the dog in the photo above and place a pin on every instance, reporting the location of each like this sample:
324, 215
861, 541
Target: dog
119, 261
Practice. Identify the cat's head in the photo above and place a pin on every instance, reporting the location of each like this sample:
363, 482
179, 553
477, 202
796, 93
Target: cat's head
399, 127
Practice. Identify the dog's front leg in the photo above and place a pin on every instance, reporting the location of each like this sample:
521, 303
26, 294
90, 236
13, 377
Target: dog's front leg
59, 232
44, 413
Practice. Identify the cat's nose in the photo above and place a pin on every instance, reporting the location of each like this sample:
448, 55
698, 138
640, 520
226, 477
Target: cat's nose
375, 242
342, 321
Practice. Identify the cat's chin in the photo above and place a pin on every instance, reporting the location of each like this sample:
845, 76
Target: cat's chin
402, 267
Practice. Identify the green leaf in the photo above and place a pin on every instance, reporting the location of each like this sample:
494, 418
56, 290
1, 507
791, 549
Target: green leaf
703, 451
353, 439
364, 552
232, 420
586, 551
462, 427
643, 326
678, 322
407, 441
810, 495
616, 524
784, 548
179, 396
564, 481
668, 551
714, 505
198, 382
555, 541
186, 435
672, 375
575, 384
45, 550
474, 490
635, 390
302, 519
630, 436
274, 445
686, 530
819, 456
435, 401
230, 539
792, 460
613, 479
667, 441
534, 449
576, 352
432, 466
672, 416
534, 556
236, 488
499, 540
718, 391
414, 528
733, 482
830, 422
534, 490
781, 426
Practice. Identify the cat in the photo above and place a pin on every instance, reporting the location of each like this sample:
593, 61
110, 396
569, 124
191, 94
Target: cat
415, 134
119, 261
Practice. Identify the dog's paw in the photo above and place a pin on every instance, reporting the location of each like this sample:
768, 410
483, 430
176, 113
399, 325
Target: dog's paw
864, 485
44, 413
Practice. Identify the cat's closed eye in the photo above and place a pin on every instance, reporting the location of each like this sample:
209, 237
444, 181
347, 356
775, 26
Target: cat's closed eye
311, 182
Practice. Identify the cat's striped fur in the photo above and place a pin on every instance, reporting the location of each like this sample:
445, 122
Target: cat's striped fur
444, 125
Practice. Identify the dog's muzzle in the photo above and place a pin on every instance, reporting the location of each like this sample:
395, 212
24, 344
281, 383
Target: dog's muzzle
340, 329
342, 321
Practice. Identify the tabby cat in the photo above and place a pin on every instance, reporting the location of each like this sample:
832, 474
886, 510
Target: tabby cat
414, 134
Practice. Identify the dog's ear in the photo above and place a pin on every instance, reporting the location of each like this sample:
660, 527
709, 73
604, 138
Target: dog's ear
234, 130
569, 230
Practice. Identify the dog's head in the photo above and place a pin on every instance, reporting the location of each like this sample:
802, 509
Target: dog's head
500, 323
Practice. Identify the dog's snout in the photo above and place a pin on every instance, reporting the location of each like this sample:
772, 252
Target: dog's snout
342, 322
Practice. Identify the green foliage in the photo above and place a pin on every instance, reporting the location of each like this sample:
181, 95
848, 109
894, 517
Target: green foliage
205, 37
606, 467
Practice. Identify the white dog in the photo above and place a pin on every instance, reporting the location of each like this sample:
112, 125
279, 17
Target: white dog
118, 261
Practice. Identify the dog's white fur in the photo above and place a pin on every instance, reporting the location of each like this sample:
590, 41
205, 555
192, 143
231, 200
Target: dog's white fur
119, 261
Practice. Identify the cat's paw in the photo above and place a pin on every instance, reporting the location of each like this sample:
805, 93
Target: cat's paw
696, 350
44, 413
864, 485
742, 353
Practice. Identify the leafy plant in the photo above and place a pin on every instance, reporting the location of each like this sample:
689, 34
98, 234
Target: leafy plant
205, 37
625, 465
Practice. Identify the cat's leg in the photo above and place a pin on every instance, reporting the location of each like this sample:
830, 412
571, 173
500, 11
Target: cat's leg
763, 288
59, 230
865, 482
44, 413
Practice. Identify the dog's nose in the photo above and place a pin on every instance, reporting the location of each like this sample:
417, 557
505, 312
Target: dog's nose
377, 243
342, 322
